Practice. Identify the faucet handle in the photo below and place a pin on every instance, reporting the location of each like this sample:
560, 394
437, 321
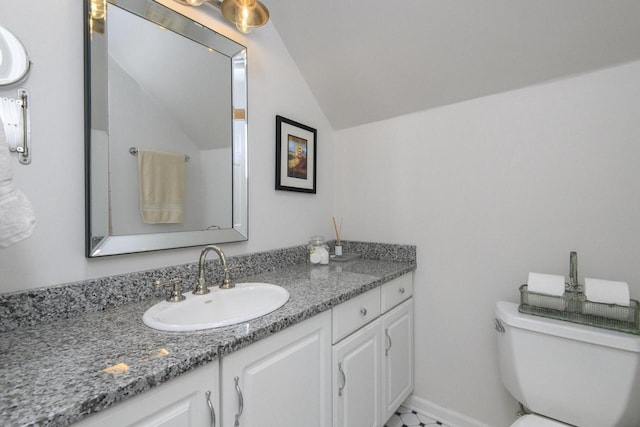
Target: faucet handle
201, 287
226, 282
176, 292
232, 268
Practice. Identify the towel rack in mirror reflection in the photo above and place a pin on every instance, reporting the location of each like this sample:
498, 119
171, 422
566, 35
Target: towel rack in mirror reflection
134, 152
16, 118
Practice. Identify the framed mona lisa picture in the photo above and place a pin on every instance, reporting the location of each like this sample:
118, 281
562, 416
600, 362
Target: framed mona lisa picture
296, 148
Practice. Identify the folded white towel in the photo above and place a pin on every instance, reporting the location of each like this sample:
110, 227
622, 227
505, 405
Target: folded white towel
607, 291
17, 220
10, 114
162, 180
548, 284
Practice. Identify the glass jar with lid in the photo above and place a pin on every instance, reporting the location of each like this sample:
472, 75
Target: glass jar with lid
318, 250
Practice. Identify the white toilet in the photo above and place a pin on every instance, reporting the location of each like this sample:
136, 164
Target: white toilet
568, 374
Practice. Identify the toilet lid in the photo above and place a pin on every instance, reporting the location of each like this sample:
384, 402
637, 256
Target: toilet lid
531, 420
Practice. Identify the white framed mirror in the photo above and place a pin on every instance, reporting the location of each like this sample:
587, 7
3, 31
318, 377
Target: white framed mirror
14, 61
158, 81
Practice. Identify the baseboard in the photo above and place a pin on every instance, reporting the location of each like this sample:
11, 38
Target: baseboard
446, 416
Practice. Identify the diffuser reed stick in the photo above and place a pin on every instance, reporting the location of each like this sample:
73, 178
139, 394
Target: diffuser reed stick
335, 227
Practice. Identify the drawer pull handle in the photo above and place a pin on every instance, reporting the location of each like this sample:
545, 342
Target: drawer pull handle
212, 411
401, 290
386, 350
344, 379
240, 402
363, 311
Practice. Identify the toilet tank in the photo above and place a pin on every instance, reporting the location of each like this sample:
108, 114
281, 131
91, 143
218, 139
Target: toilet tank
580, 375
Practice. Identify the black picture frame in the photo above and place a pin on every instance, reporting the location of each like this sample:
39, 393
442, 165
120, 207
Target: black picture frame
296, 154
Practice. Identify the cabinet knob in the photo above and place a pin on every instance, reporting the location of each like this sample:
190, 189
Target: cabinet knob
401, 290
363, 311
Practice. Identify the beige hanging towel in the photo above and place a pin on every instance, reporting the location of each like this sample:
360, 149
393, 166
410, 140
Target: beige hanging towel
162, 179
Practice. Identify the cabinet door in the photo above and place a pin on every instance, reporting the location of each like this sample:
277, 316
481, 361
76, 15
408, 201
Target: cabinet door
398, 356
357, 379
282, 381
180, 402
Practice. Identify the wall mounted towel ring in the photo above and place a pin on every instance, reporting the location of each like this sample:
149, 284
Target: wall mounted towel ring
14, 62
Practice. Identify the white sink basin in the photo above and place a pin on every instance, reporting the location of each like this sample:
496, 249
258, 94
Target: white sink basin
220, 307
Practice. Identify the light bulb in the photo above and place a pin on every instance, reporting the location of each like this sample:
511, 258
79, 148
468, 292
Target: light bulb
98, 9
195, 2
245, 14
243, 11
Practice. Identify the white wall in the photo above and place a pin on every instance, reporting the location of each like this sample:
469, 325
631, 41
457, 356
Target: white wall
489, 190
54, 182
216, 169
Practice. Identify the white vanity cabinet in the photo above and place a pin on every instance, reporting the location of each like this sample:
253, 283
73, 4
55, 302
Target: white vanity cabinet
357, 384
282, 380
190, 400
397, 372
351, 366
373, 354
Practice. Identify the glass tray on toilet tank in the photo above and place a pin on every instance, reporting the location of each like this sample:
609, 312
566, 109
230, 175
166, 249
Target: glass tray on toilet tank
574, 307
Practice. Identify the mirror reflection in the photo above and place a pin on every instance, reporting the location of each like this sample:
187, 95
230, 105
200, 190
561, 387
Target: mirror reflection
167, 147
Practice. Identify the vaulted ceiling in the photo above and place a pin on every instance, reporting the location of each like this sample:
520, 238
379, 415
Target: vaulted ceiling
371, 60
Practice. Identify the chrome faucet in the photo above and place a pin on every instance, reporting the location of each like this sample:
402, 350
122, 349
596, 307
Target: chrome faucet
201, 288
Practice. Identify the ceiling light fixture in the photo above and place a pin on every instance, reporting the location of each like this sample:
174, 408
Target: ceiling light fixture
244, 14
97, 13
98, 9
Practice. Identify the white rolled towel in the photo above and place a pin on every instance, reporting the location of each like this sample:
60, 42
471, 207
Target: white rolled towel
607, 291
548, 284
609, 311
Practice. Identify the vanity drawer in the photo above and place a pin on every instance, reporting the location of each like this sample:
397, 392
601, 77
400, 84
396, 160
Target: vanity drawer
355, 313
396, 291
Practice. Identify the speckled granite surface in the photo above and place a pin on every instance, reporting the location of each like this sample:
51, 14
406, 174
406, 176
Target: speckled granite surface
24, 308
52, 371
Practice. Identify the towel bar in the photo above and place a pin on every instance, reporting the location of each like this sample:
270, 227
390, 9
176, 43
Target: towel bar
134, 152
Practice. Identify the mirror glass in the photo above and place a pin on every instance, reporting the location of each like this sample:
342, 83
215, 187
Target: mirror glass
14, 62
160, 82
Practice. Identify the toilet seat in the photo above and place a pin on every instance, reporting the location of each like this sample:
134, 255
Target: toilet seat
532, 420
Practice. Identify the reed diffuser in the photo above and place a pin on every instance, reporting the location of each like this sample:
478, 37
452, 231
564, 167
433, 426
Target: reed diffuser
338, 248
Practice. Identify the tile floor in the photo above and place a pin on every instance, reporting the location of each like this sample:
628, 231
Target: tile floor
405, 417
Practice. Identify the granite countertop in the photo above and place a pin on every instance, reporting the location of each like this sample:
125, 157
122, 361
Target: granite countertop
53, 373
